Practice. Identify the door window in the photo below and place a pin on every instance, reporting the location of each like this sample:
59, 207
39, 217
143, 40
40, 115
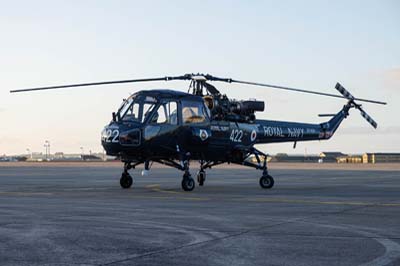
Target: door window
166, 114
193, 112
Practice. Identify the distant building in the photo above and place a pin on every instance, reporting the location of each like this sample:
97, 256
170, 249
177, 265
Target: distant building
58, 155
36, 156
90, 157
381, 157
357, 158
283, 157
331, 157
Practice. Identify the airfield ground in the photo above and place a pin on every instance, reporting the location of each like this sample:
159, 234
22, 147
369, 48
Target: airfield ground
76, 213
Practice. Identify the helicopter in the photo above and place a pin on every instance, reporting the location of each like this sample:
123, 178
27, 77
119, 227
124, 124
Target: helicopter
172, 127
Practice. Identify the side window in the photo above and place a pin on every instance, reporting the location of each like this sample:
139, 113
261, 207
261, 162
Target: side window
193, 112
166, 114
159, 116
172, 110
147, 108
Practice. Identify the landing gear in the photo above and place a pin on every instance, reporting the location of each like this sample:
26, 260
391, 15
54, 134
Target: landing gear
201, 177
266, 181
126, 180
188, 183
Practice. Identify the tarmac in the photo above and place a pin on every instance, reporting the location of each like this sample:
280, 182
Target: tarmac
77, 214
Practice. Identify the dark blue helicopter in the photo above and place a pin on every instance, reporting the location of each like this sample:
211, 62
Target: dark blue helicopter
172, 127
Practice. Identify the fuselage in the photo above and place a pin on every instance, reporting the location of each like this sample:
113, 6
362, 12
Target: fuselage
160, 124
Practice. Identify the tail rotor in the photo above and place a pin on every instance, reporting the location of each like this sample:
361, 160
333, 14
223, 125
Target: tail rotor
351, 99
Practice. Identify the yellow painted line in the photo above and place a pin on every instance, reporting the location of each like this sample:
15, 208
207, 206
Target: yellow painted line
167, 191
353, 203
13, 193
150, 197
169, 198
389, 204
153, 185
194, 198
156, 188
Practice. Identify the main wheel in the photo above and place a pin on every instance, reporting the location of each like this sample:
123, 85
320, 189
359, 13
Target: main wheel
188, 184
266, 181
126, 180
201, 177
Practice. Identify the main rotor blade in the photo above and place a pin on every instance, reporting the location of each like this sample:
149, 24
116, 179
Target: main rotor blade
100, 83
302, 90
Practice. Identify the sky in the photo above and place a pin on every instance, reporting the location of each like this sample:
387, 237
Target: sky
305, 44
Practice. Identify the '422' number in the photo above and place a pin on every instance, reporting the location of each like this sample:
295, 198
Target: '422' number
112, 135
236, 135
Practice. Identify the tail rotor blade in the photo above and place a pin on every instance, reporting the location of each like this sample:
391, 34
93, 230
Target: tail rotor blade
367, 117
344, 92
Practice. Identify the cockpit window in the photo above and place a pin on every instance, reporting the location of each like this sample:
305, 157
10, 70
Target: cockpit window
166, 114
136, 108
193, 112
132, 114
147, 109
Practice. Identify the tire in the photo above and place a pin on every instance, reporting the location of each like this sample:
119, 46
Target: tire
188, 184
267, 181
126, 180
201, 177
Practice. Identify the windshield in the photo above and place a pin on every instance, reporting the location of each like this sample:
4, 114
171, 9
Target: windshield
136, 108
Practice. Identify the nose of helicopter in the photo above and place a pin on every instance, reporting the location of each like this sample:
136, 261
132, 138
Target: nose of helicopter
117, 135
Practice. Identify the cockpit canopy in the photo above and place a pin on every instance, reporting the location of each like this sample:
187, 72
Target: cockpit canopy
136, 108
150, 109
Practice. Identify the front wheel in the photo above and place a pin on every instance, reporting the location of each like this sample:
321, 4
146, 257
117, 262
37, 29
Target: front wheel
188, 184
126, 180
266, 181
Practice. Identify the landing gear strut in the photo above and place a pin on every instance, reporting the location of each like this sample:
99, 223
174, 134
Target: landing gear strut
188, 183
126, 179
266, 181
201, 177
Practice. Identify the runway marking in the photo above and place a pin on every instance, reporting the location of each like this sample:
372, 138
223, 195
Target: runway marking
153, 185
15, 193
185, 196
392, 249
352, 203
300, 201
156, 188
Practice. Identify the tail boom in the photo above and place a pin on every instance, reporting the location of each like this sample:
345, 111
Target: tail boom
270, 131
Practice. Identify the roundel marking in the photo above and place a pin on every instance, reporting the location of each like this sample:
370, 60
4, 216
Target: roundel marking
203, 134
253, 135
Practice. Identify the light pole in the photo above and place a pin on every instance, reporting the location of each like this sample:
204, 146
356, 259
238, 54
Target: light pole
29, 153
47, 146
